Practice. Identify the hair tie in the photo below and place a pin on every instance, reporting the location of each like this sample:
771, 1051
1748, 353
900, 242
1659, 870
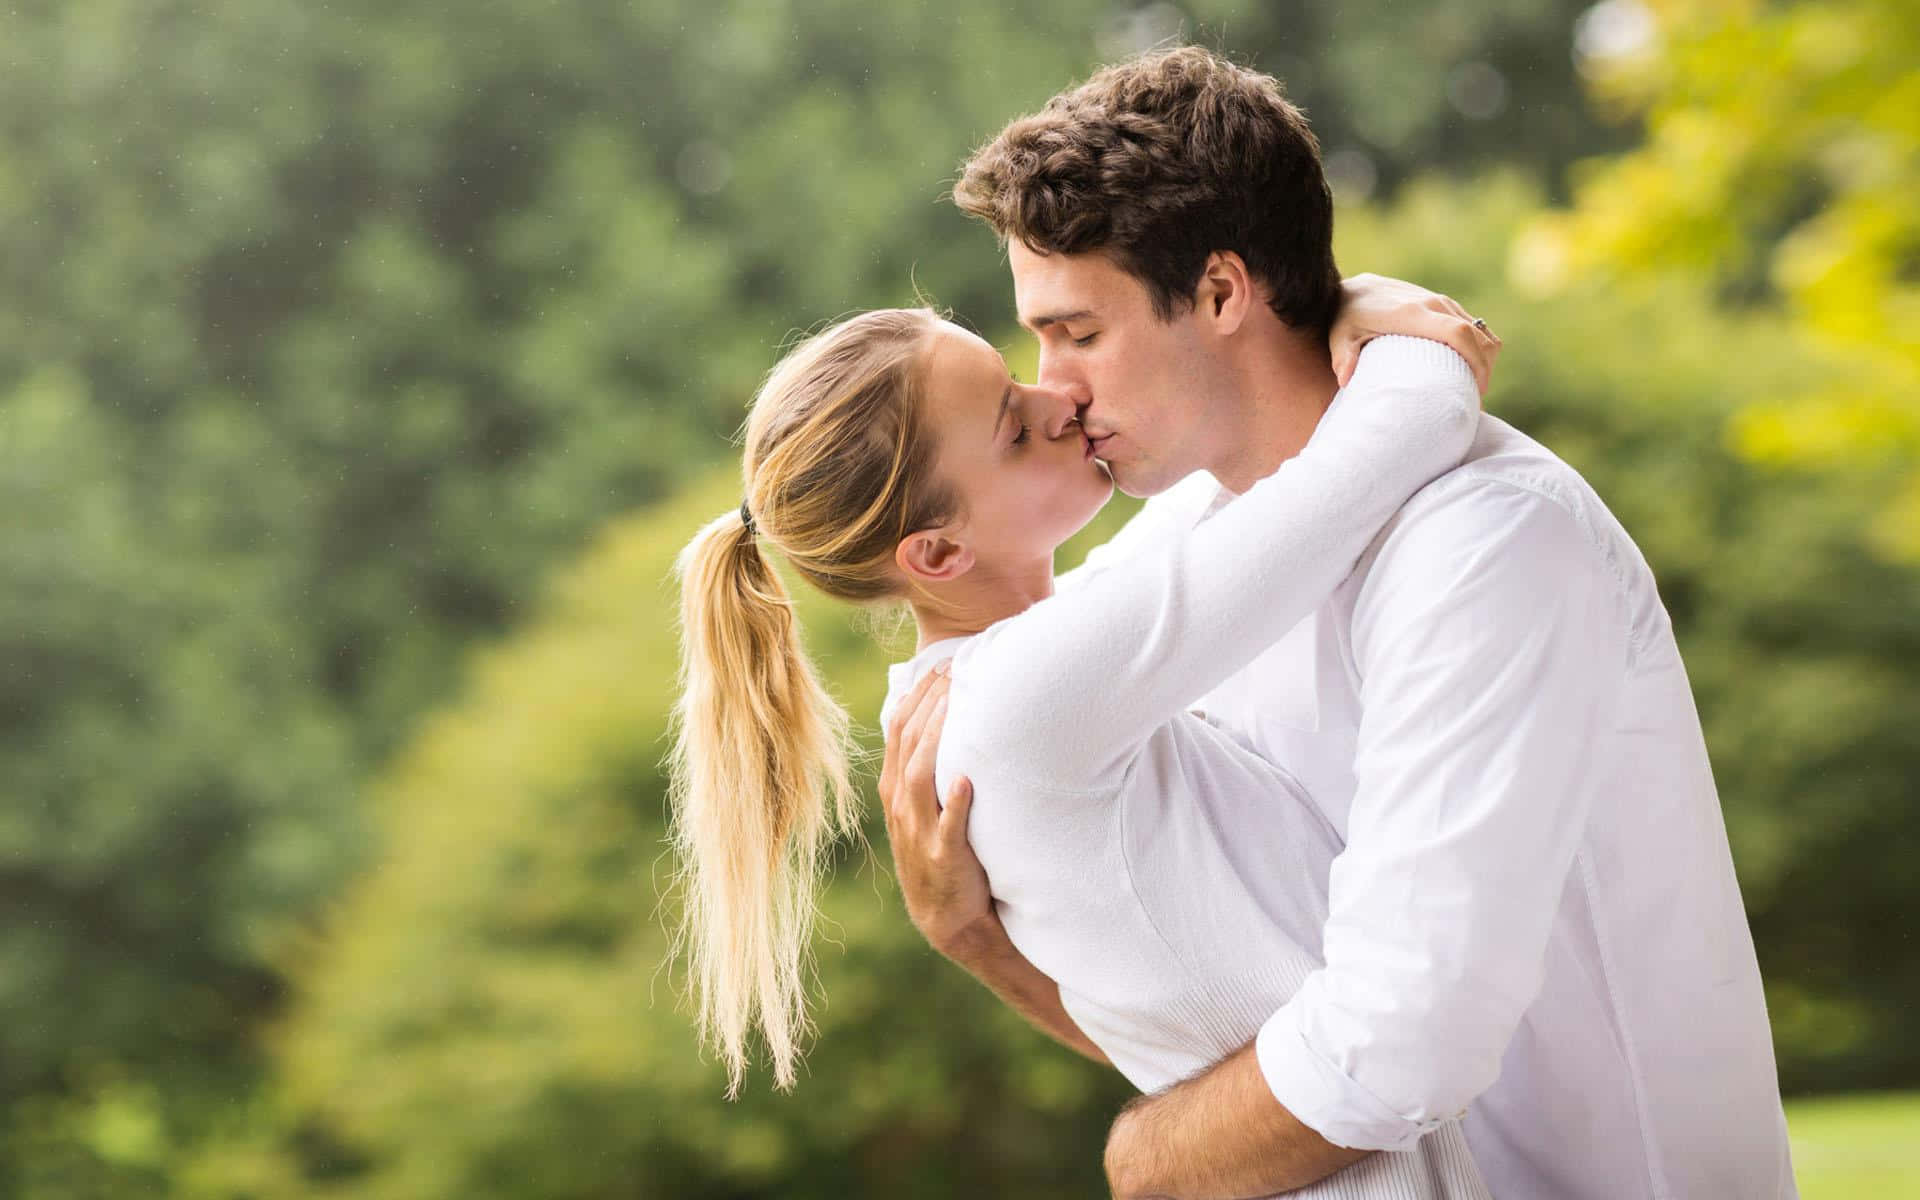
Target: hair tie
746, 518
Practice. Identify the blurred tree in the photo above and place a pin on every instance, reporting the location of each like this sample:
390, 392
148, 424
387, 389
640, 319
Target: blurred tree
1782, 160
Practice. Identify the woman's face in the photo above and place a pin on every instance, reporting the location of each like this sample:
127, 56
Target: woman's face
1013, 452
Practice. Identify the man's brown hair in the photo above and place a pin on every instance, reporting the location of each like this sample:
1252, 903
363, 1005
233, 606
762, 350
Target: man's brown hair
1159, 161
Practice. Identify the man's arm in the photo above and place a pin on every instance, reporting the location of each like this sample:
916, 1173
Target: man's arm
1217, 1136
1489, 648
986, 953
944, 886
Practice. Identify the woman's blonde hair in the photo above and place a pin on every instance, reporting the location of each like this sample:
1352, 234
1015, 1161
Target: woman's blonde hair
838, 469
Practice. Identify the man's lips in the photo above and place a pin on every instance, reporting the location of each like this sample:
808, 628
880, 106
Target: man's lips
1095, 445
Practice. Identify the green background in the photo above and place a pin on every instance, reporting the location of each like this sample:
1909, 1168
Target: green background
364, 366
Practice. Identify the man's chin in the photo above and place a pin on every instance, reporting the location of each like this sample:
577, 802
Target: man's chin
1144, 479
1133, 483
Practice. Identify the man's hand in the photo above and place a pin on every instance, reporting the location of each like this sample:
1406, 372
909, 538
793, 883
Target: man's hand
1219, 1135
1376, 305
943, 884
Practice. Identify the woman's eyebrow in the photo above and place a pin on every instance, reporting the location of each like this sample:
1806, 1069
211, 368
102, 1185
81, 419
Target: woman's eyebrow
1006, 398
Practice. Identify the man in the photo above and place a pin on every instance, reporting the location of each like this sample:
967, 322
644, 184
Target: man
1535, 920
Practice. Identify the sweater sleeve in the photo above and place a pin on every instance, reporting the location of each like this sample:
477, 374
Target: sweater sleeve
1068, 691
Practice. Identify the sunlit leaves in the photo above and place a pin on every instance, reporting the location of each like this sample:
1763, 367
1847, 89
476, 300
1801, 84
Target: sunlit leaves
1782, 159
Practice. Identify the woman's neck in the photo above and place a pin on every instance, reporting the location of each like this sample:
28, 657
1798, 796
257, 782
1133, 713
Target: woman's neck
982, 597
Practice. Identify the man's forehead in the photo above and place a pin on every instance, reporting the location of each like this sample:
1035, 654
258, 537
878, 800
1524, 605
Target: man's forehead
1051, 288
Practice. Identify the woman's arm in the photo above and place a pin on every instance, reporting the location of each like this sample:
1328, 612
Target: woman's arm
1073, 686
943, 884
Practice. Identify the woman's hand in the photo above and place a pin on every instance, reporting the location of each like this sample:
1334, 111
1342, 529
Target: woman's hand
1376, 304
943, 884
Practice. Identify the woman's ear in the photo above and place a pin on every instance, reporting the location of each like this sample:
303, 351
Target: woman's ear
1225, 294
933, 556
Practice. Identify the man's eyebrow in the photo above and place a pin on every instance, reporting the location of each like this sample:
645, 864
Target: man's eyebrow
1045, 319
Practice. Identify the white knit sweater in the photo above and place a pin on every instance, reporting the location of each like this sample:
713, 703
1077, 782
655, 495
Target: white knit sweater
1103, 809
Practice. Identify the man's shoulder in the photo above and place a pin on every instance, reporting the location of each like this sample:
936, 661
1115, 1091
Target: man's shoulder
1509, 486
1514, 513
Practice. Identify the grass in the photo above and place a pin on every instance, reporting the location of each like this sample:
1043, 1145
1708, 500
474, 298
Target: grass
1863, 1147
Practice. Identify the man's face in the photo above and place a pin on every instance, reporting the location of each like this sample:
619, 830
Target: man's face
1146, 386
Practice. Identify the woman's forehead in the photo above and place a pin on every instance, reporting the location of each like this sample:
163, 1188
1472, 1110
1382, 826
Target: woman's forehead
965, 381
959, 355
961, 335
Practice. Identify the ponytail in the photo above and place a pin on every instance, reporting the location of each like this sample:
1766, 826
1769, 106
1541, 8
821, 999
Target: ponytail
838, 466
760, 790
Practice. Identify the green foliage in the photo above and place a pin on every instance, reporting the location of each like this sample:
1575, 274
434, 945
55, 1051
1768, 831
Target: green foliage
1782, 159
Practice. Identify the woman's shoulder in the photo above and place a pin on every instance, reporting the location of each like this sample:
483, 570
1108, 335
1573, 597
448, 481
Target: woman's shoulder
1002, 724
987, 725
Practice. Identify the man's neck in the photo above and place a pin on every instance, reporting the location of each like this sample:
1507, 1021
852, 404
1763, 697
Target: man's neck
1283, 382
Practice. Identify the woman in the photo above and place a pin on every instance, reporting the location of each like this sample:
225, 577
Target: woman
892, 457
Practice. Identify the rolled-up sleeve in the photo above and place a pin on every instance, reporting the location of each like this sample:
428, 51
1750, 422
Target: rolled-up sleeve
1491, 643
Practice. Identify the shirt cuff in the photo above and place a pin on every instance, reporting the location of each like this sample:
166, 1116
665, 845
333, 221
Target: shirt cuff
1325, 1098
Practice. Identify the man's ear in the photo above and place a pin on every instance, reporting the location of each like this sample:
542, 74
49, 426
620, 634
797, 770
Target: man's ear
933, 556
1226, 293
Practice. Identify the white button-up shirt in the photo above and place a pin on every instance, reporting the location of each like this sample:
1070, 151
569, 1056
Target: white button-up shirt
1535, 918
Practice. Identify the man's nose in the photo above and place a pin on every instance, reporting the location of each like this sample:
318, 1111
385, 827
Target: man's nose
1059, 409
1057, 370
